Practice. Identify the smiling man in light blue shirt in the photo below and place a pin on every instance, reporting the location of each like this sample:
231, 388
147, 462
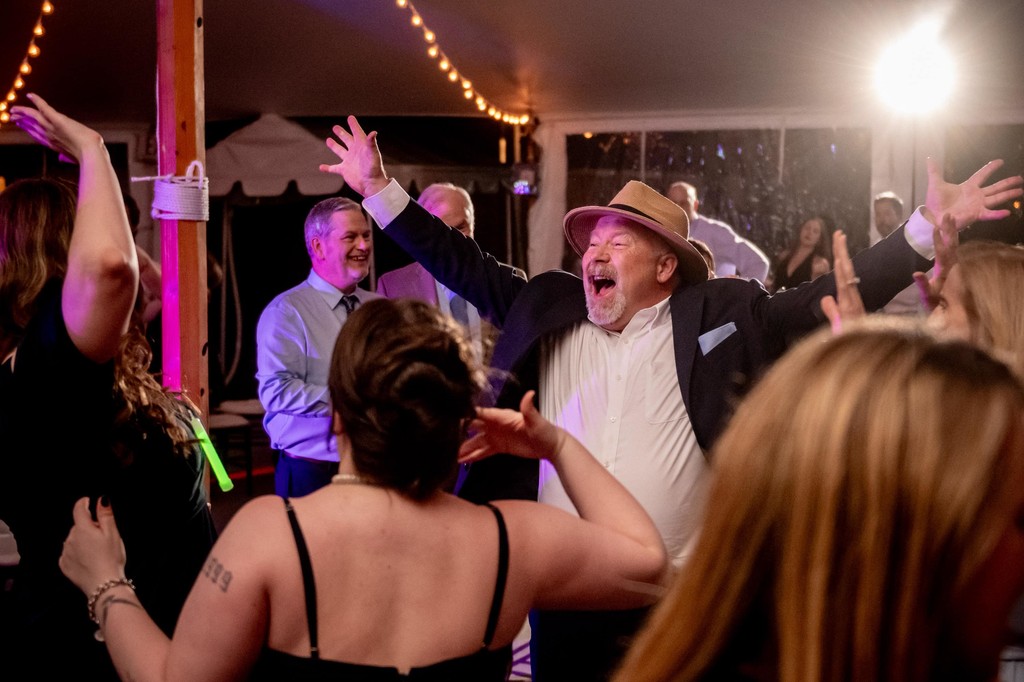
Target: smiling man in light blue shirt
295, 337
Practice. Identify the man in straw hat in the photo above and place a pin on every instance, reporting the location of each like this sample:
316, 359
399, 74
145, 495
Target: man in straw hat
601, 351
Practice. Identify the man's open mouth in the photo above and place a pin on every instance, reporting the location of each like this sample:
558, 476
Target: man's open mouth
601, 284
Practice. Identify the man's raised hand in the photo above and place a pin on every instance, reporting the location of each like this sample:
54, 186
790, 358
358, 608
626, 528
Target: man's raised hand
971, 200
360, 163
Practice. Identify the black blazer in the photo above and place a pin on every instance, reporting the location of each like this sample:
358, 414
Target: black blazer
725, 331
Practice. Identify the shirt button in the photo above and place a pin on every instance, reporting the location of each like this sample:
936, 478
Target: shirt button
612, 419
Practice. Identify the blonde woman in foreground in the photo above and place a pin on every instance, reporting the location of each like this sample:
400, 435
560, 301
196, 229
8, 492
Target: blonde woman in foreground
867, 524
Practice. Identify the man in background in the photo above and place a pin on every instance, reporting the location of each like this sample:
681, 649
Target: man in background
888, 213
734, 255
454, 206
294, 341
888, 210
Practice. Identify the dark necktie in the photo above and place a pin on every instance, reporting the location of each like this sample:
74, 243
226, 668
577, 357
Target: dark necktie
459, 311
350, 301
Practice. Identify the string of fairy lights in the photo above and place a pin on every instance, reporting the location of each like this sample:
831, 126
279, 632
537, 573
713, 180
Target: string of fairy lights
434, 51
26, 66
444, 63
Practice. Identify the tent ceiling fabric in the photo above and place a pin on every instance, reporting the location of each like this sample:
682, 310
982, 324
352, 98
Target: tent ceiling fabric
268, 154
565, 58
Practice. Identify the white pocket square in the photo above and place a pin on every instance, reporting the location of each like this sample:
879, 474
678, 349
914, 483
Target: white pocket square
708, 340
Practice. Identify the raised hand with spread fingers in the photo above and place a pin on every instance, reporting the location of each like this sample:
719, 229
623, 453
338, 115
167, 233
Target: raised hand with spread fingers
360, 162
971, 200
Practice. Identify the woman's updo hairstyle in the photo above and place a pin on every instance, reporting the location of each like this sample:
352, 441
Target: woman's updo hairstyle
404, 381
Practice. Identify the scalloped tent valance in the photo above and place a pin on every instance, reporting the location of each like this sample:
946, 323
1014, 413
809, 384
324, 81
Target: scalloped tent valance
267, 155
272, 151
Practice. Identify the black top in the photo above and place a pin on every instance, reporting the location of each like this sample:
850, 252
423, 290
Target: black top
482, 665
56, 416
801, 273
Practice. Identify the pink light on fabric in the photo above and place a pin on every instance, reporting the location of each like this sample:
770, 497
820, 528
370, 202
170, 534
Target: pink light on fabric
170, 321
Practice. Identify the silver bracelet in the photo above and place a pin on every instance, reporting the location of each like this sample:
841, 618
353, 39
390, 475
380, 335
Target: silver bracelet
98, 592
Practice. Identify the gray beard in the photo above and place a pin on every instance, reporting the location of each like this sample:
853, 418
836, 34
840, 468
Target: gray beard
603, 313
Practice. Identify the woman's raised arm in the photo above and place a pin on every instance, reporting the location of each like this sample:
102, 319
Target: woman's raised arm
613, 555
103, 272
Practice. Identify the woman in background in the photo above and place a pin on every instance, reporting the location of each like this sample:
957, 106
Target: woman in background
868, 522
805, 258
79, 413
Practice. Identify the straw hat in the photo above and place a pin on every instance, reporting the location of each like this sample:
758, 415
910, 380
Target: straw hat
640, 204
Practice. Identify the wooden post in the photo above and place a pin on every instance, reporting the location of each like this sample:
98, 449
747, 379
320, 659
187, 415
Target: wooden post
181, 136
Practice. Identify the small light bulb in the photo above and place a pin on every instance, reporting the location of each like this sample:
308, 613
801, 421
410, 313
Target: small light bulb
25, 68
47, 8
429, 36
481, 106
524, 119
401, 3
504, 118
587, 135
466, 84
444, 65
18, 83
38, 30
5, 117
432, 51
11, 96
417, 20
3, 106
468, 94
33, 50
453, 75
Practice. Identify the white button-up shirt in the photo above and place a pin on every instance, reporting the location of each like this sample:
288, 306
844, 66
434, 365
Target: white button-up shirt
619, 394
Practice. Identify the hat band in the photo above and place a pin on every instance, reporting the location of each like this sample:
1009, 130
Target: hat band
630, 209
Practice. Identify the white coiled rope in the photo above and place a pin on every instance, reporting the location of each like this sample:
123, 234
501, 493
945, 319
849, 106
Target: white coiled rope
181, 197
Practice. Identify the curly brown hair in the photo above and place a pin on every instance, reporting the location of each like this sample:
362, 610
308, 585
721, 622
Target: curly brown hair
142, 405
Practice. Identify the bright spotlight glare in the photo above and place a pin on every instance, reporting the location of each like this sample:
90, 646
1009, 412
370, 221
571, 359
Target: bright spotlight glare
916, 75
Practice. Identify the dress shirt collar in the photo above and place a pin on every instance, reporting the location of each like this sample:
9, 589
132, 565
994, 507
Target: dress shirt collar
644, 320
332, 294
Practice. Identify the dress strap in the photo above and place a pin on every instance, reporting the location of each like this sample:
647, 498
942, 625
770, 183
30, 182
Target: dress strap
308, 583
499, 581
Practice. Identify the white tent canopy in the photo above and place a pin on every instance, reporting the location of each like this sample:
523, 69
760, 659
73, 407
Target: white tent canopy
267, 155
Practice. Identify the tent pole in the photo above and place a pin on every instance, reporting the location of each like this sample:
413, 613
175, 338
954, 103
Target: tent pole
181, 136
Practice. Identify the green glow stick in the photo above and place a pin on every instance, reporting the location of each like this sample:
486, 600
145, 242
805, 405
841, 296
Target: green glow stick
223, 480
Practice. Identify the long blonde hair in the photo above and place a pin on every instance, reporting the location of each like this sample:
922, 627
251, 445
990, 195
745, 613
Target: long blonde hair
851, 500
993, 283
